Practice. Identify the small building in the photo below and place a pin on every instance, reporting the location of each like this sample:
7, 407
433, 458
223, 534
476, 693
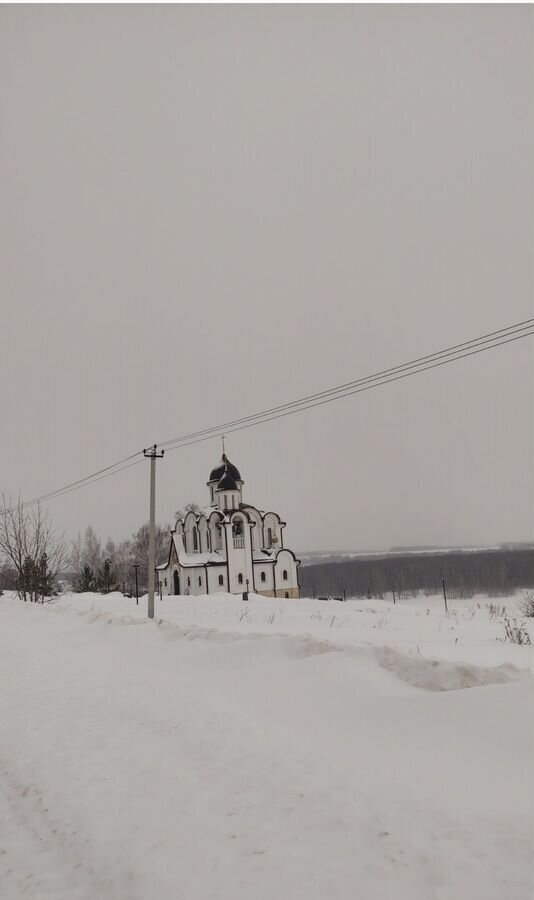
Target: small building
229, 546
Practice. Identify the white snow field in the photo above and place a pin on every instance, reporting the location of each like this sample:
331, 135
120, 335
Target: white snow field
275, 750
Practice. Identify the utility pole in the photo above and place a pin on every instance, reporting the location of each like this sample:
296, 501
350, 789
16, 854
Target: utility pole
136, 567
152, 455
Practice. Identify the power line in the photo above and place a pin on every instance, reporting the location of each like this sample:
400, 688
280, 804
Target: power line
88, 480
369, 387
80, 480
345, 390
439, 358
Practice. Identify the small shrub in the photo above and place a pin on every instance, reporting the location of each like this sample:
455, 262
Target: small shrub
526, 604
495, 611
515, 632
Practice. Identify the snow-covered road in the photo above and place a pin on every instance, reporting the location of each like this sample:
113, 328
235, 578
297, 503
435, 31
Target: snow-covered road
142, 761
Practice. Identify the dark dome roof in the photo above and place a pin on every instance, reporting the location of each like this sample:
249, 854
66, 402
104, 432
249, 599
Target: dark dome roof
227, 483
225, 466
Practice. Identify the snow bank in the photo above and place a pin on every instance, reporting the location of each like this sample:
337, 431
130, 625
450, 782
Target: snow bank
219, 755
437, 675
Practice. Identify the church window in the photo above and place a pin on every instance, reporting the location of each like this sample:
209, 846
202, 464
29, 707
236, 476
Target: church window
269, 537
200, 580
284, 574
262, 576
165, 582
195, 539
188, 582
240, 578
221, 579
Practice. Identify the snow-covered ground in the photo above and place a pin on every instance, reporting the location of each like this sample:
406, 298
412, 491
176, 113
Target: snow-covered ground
277, 749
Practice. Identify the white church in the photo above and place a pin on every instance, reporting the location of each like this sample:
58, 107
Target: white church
229, 546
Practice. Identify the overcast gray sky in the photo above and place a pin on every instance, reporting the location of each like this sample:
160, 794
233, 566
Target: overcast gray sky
208, 210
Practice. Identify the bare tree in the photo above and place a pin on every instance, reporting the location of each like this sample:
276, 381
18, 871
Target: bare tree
189, 507
75, 557
92, 550
31, 548
122, 562
139, 547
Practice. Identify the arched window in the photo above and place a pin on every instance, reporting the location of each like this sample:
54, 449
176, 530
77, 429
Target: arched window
221, 580
262, 576
269, 537
188, 582
240, 578
284, 574
200, 580
195, 539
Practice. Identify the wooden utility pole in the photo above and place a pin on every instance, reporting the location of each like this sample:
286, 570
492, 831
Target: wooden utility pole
152, 455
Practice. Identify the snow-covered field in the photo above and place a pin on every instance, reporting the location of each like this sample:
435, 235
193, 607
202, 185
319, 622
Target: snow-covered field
275, 750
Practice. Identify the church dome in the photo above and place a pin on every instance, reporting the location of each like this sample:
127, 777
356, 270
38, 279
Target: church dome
225, 467
227, 483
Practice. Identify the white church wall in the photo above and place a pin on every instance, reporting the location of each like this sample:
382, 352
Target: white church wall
214, 573
193, 581
268, 584
257, 529
271, 524
286, 563
240, 557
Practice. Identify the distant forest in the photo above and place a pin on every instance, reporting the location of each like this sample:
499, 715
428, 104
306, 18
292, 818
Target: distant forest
491, 572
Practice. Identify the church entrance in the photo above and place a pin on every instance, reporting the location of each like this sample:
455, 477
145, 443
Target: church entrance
176, 583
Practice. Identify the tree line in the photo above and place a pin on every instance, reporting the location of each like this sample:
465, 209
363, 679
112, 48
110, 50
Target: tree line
97, 566
33, 556
494, 572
